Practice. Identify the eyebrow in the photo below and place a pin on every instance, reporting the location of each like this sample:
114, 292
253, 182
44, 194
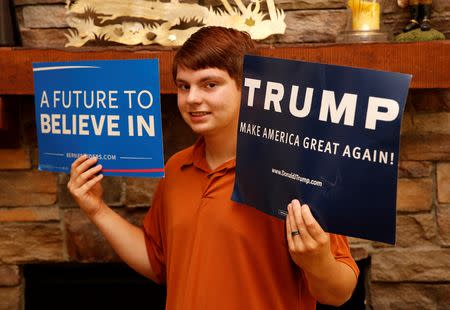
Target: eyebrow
204, 79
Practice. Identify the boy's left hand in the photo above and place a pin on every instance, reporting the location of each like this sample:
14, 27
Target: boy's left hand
310, 247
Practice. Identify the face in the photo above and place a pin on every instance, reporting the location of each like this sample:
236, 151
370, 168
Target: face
209, 101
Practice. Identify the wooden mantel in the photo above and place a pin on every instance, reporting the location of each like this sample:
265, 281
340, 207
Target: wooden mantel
428, 62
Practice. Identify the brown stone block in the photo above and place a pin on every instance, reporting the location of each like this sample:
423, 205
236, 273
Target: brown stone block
43, 38
407, 123
391, 7
309, 4
411, 265
9, 275
139, 191
413, 230
112, 191
44, 16
441, 6
23, 2
425, 147
419, 229
428, 123
32, 214
414, 169
394, 22
359, 253
30, 243
283, 4
443, 182
358, 241
85, 243
443, 221
409, 296
27, 188
11, 298
311, 26
419, 123
430, 100
414, 194
14, 159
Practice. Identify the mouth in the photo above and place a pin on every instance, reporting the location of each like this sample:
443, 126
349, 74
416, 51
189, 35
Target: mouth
199, 113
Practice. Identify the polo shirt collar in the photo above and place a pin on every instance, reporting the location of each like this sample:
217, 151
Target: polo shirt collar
197, 158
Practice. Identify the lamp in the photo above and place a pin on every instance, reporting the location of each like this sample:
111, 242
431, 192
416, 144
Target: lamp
363, 22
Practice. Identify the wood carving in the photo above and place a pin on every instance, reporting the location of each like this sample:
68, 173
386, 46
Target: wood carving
134, 22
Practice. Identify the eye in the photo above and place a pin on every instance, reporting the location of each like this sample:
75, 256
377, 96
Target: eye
182, 86
211, 85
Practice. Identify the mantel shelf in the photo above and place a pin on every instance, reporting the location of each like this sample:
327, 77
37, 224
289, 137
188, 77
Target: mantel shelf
428, 62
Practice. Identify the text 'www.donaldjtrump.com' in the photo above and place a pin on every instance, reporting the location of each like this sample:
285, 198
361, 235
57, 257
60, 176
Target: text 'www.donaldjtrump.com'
296, 177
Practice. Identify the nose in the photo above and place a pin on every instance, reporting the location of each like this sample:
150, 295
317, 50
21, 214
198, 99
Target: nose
194, 96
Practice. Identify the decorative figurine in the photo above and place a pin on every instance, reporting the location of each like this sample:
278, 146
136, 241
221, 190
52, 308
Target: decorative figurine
419, 27
420, 11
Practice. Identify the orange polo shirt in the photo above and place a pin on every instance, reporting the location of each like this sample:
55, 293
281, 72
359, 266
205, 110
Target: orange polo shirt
213, 253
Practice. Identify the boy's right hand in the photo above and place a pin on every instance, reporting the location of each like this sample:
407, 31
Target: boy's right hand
85, 186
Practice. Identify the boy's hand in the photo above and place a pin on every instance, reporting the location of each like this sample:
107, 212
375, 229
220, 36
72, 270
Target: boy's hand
309, 244
85, 186
329, 281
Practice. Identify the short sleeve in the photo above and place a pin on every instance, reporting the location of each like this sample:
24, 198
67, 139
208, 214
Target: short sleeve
154, 232
341, 251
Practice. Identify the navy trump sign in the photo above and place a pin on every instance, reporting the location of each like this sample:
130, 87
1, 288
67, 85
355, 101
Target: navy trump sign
107, 108
327, 135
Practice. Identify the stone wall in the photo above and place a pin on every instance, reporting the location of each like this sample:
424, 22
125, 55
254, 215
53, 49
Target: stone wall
39, 221
415, 274
42, 22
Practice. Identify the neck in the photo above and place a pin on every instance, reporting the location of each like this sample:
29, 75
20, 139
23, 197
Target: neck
220, 149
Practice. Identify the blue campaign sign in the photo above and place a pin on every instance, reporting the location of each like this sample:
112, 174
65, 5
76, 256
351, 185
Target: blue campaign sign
105, 108
327, 135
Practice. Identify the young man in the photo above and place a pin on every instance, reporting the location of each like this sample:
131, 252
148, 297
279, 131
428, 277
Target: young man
211, 252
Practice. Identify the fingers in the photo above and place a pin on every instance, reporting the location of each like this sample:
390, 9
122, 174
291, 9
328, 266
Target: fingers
312, 244
292, 220
87, 175
80, 165
295, 242
85, 164
78, 161
312, 226
288, 233
301, 219
300, 222
82, 171
89, 184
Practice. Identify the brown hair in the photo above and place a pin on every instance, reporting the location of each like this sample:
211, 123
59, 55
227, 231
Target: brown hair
215, 47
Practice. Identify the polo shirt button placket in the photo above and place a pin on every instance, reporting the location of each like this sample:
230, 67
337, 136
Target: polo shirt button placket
213, 176
217, 174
